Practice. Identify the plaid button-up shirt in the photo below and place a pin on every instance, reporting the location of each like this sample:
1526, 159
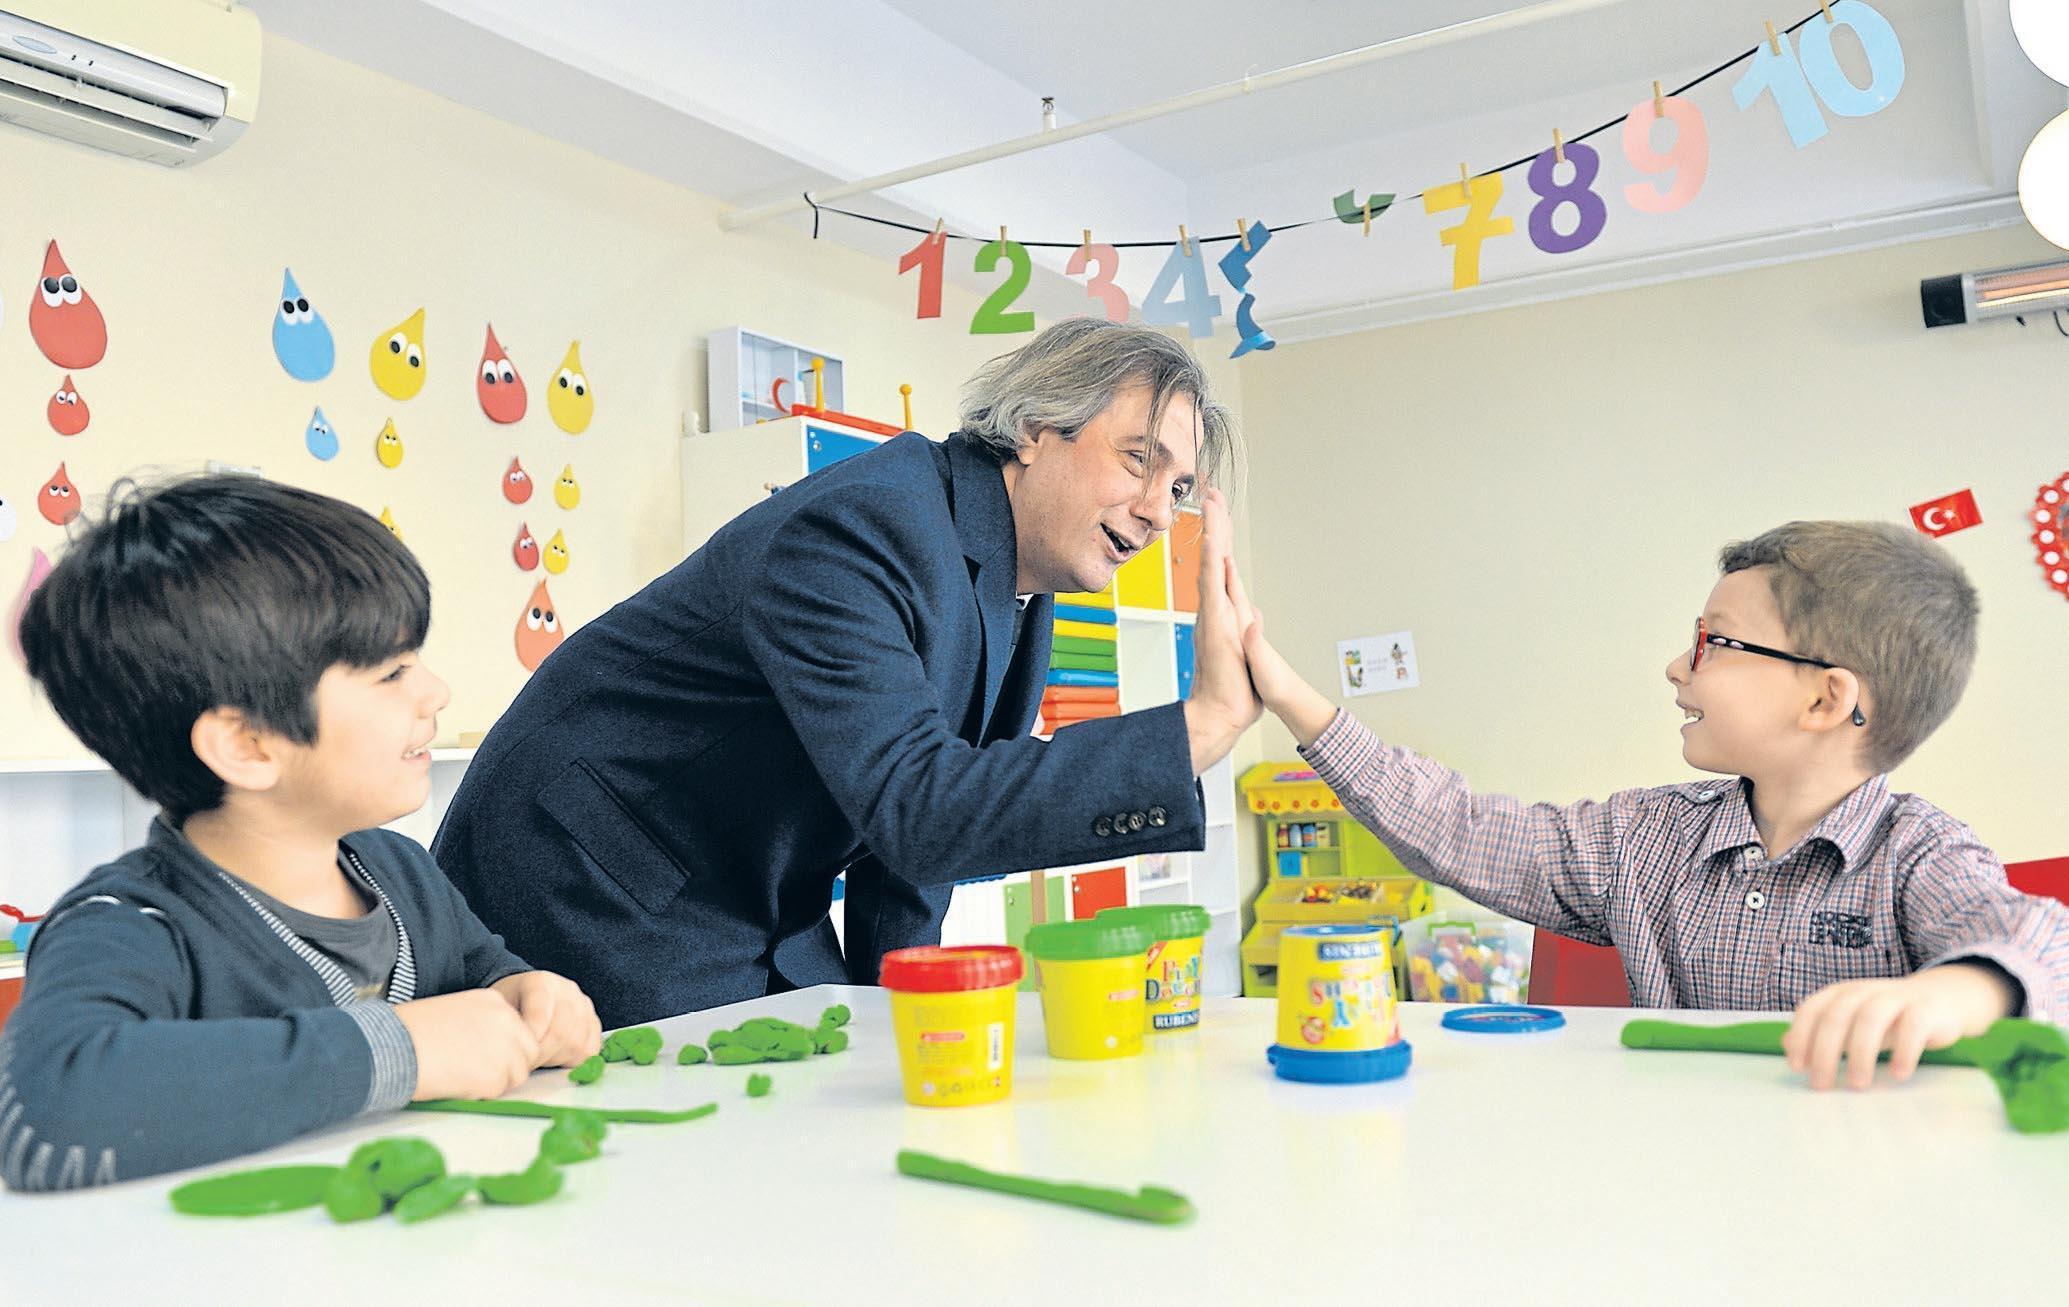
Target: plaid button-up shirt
1677, 880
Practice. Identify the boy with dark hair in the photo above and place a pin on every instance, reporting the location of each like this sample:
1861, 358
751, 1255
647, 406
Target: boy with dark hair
1827, 652
269, 962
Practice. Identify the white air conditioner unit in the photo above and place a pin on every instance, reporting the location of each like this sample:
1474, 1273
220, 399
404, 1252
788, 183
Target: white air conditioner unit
171, 81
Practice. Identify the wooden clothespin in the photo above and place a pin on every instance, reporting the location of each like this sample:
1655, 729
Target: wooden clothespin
1002, 235
1368, 215
1824, 5
1185, 242
1774, 42
905, 391
1243, 235
1659, 101
1558, 146
1465, 180
1086, 244
940, 229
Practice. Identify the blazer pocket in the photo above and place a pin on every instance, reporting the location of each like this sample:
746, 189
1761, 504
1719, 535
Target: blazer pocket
610, 833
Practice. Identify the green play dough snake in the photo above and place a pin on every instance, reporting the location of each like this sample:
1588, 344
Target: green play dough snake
1148, 1203
2028, 1060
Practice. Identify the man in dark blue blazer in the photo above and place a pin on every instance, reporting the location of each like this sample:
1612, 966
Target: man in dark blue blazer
843, 678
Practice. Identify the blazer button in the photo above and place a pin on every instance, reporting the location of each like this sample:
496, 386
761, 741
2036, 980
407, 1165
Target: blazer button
1120, 822
1134, 821
1103, 827
1157, 816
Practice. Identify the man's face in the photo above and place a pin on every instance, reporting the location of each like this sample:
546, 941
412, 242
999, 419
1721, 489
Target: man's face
1084, 506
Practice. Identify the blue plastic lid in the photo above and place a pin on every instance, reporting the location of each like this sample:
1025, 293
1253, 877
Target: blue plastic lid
1330, 931
1504, 1019
1316, 1067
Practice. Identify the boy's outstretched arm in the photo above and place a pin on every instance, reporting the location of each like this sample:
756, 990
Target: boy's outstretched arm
1540, 863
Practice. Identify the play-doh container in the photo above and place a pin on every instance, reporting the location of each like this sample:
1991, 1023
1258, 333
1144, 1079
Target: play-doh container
1092, 993
1337, 1021
952, 1013
1171, 969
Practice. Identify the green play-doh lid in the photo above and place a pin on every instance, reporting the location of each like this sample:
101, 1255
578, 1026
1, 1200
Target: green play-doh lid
1161, 920
1085, 941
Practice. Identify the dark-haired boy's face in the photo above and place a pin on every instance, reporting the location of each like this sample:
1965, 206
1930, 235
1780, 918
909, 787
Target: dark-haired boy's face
371, 760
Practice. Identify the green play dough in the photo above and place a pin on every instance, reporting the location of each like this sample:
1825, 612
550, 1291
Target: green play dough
546, 1111
639, 1045
573, 1137
1148, 1203
2027, 1060
395, 1166
835, 1016
758, 1086
589, 1072
535, 1184
832, 1041
255, 1193
427, 1201
352, 1197
691, 1055
733, 1054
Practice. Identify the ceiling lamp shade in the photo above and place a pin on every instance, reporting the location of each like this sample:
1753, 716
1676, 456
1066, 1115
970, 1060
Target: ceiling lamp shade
2042, 27
2044, 181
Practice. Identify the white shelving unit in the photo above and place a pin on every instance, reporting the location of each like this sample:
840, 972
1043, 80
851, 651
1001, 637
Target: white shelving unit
744, 365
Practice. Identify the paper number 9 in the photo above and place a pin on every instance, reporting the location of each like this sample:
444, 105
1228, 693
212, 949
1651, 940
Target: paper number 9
1688, 160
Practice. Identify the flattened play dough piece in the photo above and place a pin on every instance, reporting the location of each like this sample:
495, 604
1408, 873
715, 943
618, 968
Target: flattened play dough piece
758, 1086
589, 1071
255, 1193
546, 1111
691, 1055
1148, 1203
734, 1055
440, 1196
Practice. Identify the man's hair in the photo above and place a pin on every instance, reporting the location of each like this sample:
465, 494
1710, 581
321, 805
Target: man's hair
1883, 602
213, 592
1068, 374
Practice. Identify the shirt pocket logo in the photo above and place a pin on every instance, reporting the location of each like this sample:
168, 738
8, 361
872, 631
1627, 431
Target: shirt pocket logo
1839, 929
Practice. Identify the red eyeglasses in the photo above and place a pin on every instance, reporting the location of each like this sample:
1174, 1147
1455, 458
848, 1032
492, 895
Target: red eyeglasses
1705, 638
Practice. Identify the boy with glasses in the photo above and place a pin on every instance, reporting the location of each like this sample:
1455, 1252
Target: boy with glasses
1827, 653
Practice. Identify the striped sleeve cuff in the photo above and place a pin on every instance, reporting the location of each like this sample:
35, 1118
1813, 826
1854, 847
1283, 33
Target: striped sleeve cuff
395, 1056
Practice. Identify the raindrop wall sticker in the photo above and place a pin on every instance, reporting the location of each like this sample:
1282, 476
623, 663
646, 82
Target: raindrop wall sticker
63, 319
301, 338
67, 412
397, 358
569, 398
320, 437
497, 385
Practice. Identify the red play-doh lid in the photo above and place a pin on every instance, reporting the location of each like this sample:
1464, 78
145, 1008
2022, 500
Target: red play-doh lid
935, 970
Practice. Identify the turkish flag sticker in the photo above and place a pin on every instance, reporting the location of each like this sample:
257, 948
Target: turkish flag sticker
1947, 514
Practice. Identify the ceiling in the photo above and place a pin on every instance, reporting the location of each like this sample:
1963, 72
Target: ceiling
748, 102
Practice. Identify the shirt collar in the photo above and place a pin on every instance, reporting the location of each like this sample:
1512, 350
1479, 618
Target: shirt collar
1848, 827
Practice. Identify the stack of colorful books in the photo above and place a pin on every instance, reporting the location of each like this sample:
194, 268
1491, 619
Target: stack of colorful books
1084, 662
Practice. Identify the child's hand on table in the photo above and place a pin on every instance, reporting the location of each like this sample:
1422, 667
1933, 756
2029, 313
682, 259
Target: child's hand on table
1905, 1015
472, 1044
559, 1015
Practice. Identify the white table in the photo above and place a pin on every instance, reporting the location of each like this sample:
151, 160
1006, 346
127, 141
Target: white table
1501, 1171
